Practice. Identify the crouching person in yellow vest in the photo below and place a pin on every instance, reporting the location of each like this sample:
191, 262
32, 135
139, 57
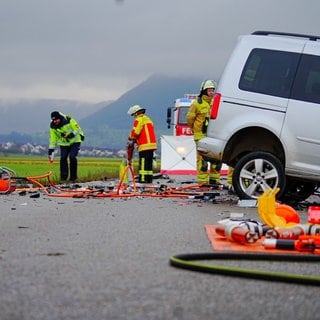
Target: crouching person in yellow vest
66, 133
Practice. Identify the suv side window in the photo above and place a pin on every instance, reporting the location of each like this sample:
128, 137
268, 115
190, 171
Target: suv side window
269, 72
307, 84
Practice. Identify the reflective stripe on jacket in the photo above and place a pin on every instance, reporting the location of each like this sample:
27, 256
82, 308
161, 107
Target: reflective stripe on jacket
143, 133
197, 114
56, 134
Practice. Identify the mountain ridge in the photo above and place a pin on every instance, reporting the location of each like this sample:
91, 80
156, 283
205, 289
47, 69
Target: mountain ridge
155, 94
106, 124
31, 116
110, 126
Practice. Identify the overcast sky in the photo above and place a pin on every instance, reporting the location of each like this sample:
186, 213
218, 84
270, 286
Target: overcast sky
96, 50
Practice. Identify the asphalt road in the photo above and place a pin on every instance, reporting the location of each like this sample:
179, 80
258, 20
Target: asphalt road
106, 258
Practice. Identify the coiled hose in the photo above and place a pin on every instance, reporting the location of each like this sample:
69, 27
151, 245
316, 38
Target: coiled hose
189, 262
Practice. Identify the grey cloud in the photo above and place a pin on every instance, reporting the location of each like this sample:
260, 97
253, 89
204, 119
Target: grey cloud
92, 42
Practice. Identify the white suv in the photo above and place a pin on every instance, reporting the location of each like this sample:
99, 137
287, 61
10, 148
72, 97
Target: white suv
265, 114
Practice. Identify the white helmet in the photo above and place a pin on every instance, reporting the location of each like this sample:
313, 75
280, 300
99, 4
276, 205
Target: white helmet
132, 110
208, 84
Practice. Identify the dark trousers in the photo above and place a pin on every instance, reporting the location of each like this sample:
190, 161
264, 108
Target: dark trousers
70, 152
145, 166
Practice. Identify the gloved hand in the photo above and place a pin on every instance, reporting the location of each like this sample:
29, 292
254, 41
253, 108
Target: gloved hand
131, 138
67, 135
130, 149
51, 155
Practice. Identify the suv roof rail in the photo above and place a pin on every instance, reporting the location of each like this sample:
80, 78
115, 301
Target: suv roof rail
298, 35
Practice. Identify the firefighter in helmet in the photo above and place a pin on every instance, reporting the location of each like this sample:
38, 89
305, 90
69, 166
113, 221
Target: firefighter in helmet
143, 134
198, 120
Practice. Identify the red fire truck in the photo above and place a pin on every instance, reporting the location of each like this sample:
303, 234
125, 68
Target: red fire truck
176, 115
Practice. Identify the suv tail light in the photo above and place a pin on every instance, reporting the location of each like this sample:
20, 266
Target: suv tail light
215, 106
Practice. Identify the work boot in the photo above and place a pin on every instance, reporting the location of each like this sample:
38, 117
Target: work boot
214, 182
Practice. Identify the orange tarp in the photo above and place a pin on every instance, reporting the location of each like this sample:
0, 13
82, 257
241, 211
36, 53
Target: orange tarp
220, 243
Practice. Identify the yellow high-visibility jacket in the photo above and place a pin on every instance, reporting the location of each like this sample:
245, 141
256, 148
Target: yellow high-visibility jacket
68, 125
198, 116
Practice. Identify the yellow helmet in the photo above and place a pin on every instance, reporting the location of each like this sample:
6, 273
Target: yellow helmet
132, 110
208, 84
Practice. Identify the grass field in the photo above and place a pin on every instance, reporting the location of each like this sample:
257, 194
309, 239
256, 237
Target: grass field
89, 169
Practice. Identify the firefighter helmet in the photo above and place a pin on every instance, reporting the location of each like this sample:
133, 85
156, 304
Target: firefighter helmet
132, 110
208, 84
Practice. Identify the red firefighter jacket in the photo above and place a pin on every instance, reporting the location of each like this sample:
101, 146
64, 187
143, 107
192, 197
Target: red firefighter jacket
143, 133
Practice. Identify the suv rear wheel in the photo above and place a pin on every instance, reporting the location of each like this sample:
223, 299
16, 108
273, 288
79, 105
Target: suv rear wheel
256, 172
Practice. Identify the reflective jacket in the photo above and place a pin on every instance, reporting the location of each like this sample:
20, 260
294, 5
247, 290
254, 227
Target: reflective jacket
67, 126
198, 116
143, 133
